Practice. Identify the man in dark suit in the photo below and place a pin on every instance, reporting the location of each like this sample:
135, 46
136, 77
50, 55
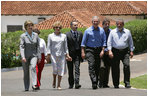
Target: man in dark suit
105, 66
74, 39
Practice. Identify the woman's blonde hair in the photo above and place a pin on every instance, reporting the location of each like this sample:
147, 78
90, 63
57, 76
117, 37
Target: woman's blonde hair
57, 24
28, 22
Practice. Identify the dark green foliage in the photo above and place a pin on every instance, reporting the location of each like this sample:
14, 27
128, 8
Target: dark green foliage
112, 27
10, 56
138, 29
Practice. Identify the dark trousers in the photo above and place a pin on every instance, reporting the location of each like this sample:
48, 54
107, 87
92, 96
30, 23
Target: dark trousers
122, 55
93, 58
104, 70
74, 68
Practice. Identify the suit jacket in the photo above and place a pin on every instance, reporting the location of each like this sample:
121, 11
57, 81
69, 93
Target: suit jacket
29, 47
71, 41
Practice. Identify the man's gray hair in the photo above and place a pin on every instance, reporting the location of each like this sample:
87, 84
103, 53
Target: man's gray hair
95, 17
119, 20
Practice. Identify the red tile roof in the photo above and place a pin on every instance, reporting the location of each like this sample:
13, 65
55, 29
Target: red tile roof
55, 7
83, 17
141, 6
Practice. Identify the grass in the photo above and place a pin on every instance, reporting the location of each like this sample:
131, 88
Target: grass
138, 82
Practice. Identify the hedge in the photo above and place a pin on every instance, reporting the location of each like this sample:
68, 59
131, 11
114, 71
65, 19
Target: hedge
138, 29
10, 55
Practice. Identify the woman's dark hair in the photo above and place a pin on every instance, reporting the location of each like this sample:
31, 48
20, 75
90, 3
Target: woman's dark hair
36, 31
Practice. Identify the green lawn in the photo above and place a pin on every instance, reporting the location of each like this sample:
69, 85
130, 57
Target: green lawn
138, 82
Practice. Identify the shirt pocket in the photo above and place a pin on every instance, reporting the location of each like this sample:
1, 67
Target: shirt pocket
125, 38
91, 35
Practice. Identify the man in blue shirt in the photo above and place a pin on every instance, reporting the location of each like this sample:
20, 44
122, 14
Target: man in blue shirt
105, 68
94, 40
120, 46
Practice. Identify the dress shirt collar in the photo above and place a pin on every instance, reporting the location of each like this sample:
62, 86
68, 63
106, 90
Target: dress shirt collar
108, 31
92, 27
73, 31
123, 30
31, 37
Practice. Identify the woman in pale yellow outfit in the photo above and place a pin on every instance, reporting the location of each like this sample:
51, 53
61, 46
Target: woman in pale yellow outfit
58, 53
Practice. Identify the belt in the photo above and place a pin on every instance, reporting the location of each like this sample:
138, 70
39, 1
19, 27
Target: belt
94, 48
126, 49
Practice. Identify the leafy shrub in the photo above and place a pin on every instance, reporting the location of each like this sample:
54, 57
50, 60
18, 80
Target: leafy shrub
138, 29
10, 56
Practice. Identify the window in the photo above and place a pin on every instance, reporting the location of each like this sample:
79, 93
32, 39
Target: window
41, 19
13, 28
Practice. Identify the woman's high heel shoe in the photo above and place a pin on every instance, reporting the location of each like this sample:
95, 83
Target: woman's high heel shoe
59, 88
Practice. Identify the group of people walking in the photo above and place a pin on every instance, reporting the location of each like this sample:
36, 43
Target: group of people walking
96, 45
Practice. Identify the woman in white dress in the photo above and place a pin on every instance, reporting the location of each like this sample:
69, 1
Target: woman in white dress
57, 52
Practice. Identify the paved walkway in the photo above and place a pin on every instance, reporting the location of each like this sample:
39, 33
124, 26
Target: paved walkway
12, 82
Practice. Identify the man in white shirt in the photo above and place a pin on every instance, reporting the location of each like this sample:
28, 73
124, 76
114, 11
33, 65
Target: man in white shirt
120, 46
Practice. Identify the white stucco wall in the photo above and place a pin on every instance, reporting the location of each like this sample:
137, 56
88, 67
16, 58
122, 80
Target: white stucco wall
18, 20
126, 18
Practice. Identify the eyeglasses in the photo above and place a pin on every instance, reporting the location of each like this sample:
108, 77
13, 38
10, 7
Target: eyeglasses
29, 25
58, 27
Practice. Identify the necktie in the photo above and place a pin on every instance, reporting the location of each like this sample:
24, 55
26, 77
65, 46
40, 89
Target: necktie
75, 35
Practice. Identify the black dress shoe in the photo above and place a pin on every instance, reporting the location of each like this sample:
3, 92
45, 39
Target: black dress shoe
94, 86
116, 87
70, 87
128, 85
26, 90
34, 88
77, 86
106, 86
100, 86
